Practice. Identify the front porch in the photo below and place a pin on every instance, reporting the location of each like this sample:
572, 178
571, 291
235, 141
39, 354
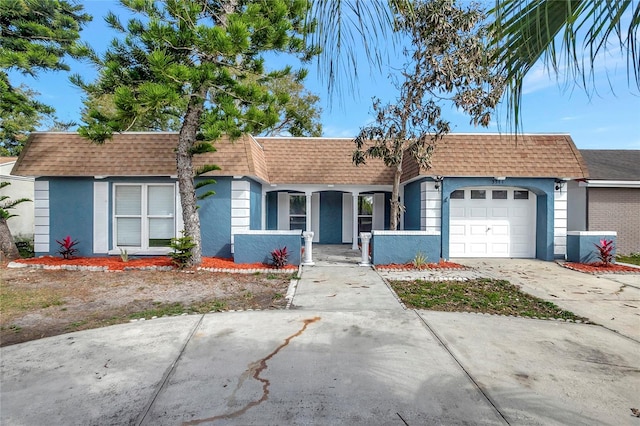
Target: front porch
335, 214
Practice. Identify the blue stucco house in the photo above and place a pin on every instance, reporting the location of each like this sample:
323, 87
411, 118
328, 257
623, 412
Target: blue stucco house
486, 195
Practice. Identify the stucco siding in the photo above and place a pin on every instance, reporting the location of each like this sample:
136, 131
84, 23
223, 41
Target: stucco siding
616, 209
70, 213
215, 219
256, 205
412, 200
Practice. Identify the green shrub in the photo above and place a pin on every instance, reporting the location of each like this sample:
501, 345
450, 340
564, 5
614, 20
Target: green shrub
25, 246
420, 261
182, 248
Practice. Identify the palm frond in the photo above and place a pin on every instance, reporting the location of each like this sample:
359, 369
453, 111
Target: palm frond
343, 27
567, 35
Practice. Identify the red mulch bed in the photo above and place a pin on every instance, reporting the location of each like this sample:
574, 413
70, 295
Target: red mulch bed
409, 266
115, 263
600, 268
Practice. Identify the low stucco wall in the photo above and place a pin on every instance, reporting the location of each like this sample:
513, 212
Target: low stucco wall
581, 245
256, 246
402, 246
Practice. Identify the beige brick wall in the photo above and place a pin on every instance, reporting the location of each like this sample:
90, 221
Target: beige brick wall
616, 209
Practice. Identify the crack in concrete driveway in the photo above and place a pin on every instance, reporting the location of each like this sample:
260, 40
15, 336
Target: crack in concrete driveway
254, 370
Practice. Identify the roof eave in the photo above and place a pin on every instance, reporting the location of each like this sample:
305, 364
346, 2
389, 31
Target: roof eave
592, 183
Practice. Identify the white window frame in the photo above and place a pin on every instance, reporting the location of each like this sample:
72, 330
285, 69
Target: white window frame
144, 222
360, 216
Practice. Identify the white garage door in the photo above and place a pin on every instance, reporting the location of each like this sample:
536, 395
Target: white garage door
492, 222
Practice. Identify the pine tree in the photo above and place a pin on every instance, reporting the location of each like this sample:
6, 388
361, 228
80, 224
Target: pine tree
204, 59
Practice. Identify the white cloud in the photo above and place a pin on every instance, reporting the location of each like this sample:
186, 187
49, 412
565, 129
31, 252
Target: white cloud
607, 65
538, 79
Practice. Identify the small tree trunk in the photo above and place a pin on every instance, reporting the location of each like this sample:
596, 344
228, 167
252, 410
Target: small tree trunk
395, 204
7, 245
184, 165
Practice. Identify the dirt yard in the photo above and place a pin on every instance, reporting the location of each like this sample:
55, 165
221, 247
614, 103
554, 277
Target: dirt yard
36, 303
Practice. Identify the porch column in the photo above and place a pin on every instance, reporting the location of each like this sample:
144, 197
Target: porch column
308, 209
365, 238
308, 248
354, 245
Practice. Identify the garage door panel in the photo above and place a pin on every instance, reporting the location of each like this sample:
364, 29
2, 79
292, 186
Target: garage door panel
520, 249
457, 212
520, 211
457, 230
500, 212
478, 212
478, 248
457, 247
500, 230
478, 230
501, 249
521, 231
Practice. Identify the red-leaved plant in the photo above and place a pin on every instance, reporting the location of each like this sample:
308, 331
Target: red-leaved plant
605, 252
279, 257
66, 247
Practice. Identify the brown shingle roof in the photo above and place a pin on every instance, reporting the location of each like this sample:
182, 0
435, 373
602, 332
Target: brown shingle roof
130, 154
299, 160
320, 161
5, 160
503, 155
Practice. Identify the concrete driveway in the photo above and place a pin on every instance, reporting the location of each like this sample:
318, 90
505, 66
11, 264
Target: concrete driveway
611, 300
320, 364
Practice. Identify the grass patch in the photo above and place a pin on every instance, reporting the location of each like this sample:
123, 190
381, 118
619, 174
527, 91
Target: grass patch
479, 295
13, 328
177, 308
632, 259
14, 301
76, 325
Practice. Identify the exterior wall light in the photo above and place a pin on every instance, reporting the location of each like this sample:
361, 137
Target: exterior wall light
438, 180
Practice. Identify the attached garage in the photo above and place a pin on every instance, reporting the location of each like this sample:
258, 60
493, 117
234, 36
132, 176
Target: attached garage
492, 222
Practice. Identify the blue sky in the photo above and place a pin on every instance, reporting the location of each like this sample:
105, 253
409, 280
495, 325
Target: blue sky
607, 118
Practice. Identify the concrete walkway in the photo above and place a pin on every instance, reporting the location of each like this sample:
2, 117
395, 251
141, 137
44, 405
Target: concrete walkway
347, 353
337, 283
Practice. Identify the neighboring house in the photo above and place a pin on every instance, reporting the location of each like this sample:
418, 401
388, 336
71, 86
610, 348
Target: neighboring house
486, 195
21, 225
609, 200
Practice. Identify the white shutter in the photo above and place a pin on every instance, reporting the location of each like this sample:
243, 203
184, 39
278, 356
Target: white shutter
100, 217
347, 217
378, 211
315, 216
283, 210
178, 216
